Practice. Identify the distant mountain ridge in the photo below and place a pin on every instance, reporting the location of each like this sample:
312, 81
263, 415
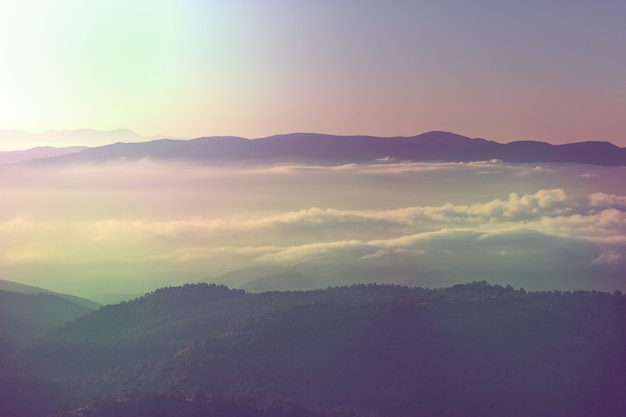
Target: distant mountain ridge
16, 139
29, 289
25, 316
12, 157
313, 148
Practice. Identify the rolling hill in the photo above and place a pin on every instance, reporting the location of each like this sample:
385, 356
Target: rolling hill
24, 317
12, 157
310, 148
29, 289
473, 349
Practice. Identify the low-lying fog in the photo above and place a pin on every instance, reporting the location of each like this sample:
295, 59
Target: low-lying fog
135, 226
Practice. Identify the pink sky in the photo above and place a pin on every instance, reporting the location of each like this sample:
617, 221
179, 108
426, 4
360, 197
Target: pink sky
551, 71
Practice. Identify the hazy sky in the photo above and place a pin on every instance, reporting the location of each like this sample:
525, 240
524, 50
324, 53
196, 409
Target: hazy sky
549, 70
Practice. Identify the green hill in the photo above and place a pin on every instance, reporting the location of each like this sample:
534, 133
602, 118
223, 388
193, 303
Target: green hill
24, 317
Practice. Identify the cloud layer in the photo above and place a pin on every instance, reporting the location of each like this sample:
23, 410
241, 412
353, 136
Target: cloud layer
145, 225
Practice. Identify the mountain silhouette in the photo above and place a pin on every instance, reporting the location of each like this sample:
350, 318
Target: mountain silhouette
16, 139
12, 157
29, 289
312, 148
26, 316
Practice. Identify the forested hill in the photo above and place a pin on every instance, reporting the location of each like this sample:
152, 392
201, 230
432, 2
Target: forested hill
176, 315
27, 316
29, 289
473, 349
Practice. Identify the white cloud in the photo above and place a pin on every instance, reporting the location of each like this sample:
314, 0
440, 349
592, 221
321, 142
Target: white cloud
550, 212
603, 200
608, 258
204, 221
313, 251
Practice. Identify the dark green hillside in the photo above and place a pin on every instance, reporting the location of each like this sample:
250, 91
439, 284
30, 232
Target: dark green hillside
67, 359
29, 289
168, 320
168, 315
474, 349
177, 315
27, 316
130, 332
514, 354
178, 403
25, 396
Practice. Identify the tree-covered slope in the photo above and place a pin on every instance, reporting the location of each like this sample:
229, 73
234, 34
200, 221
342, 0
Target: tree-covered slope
176, 315
515, 355
472, 349
29, 289
27, 316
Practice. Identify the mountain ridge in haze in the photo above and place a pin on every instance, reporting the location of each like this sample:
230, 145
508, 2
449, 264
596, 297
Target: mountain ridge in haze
39, 152
313, 148
24, 316
13, 140
29, 289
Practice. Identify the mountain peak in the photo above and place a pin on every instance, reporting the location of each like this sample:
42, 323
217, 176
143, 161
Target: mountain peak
442, 134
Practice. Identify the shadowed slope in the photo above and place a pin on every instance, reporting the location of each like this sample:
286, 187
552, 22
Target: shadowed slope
472, 349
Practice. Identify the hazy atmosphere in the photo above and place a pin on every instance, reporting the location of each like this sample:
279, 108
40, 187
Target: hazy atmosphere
551, 70
134, 226
88, 74
312, 208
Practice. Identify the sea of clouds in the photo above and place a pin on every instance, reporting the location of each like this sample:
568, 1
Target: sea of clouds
134, 226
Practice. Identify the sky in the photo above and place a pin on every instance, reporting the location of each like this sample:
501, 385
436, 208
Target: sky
546, 70
88, 72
